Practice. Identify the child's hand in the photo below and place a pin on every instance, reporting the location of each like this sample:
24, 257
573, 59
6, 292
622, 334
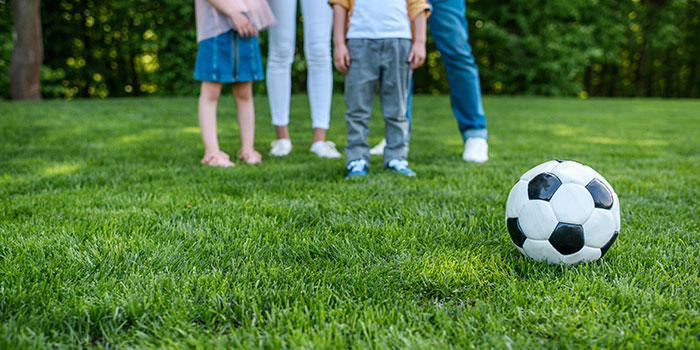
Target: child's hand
341, 58
242, 24
417, 55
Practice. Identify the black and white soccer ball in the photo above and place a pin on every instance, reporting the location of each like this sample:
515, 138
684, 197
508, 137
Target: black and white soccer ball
563, 212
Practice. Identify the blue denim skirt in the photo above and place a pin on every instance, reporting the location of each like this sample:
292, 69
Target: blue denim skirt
229, 58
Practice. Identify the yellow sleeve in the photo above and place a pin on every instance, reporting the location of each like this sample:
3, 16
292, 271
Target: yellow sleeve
347, 4
416, 7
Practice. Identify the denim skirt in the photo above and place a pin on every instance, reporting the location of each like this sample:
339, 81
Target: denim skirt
229, 58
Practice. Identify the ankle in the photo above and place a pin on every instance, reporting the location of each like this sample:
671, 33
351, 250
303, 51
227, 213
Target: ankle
211, 151
282, 132
319, 134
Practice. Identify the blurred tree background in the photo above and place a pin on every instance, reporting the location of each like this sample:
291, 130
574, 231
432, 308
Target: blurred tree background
101, 48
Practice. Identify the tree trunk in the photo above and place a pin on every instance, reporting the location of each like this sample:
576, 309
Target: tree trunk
27, 50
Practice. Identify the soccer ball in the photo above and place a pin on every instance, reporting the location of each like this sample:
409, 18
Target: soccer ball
563, 212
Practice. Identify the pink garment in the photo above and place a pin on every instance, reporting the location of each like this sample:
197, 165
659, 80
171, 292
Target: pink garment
211, 22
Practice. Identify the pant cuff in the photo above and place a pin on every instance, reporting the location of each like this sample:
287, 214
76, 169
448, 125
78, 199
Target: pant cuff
350, 159
480, 133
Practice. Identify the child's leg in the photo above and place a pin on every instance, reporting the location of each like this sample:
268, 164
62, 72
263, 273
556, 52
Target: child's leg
245, 112
208, 98
393, 91
360, 84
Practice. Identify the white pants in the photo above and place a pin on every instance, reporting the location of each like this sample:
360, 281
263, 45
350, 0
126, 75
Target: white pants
318, 19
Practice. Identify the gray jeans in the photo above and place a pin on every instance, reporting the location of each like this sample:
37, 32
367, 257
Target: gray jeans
377, 63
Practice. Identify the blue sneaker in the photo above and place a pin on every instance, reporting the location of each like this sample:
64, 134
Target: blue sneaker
356, 168
401, 167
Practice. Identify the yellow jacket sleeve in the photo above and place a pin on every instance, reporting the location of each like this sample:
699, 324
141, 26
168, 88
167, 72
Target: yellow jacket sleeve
416, 7
347, 4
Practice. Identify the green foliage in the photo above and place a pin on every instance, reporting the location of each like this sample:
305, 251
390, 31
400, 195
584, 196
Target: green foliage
118, 48
5, 47
588, 47
98, 48
112, 235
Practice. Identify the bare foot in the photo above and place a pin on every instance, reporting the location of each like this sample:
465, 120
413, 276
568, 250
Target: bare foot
250, 157
218, 158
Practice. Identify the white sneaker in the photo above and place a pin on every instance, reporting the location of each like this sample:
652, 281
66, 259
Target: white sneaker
281, 147
476, 149
378, 150
325, 149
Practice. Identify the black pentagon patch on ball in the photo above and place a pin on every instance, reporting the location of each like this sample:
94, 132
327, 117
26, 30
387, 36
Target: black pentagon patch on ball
516, 234
604, 249
602, 197
543, 186
567, 238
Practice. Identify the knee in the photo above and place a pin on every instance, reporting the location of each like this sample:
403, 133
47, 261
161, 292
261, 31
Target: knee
318, 54
459, 52
243, 92
210, 92
281, 55
358, 114
319, 61
460, 61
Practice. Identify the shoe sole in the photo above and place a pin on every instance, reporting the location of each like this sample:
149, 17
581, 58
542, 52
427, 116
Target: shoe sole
280, 155
402, 174
480, 161
323, 156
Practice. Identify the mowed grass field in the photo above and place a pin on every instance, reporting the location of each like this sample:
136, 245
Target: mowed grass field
113, 235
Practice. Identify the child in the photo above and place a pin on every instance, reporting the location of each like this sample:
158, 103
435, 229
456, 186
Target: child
229, 53
379, 52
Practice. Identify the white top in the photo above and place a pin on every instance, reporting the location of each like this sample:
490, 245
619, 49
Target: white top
211, 22
379, 19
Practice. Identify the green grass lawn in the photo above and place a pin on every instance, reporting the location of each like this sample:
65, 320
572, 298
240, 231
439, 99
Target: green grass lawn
113, 235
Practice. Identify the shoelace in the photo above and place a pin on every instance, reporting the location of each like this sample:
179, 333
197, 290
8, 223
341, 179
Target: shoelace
398, 164
357, 165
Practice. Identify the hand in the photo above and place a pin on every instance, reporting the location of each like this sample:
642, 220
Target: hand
417, 55
341, 58
242, 24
